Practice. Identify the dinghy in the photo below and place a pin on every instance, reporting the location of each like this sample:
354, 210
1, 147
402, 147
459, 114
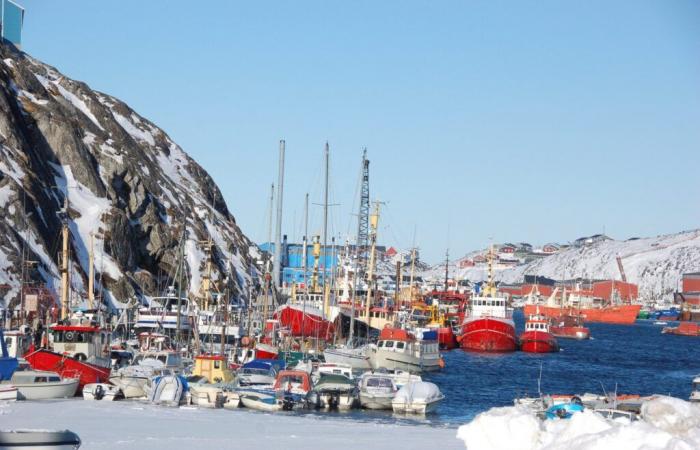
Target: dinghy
101, 391
168, 390
39, 440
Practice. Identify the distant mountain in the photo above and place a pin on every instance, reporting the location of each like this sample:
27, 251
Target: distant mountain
125, 181
655, 264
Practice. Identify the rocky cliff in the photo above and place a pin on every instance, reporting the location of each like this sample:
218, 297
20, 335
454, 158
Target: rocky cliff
129, 188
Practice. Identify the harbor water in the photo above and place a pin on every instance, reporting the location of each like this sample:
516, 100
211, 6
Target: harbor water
637, 359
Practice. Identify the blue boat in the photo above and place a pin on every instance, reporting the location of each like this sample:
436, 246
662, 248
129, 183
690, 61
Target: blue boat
668, 314
564, 410
8, 364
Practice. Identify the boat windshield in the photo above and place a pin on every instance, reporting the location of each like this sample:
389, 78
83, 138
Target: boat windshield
253, 371
379, 382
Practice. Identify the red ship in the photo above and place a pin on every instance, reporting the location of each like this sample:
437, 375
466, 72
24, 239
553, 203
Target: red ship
489, 327
80, 350
618, 314
683, 329
304, 317
537, 337
569, 327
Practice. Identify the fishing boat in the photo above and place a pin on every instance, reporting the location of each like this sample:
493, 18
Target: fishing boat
80, 348
303, 315
39, 440
568, 327
18, 342
489, 325
168, 313
334, 391
213, 368
617, 314
376, 390
101, 391
8, 364
537, 337
399, 349
42, 385
683, 329
419, 397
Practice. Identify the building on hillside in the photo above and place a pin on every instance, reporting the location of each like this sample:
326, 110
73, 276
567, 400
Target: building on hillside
464, 263
390, 252
11, 22
524, 247
479, 259
507, 248
550, 248
590, 240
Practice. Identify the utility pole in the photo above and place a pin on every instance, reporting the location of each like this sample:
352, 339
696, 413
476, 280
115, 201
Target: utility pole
278, 227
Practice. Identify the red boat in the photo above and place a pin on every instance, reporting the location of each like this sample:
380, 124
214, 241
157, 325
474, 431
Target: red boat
618, 314
537, 338
568, 327
80, 350
684, 329
446, 338
304, 317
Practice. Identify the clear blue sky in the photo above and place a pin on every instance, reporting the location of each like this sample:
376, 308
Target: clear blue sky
523, 121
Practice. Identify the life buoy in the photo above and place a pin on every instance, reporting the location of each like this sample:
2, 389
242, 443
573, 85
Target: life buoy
69, 336
80, 356
245, 341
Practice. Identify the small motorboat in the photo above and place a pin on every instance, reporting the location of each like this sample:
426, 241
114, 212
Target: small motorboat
205, 394
569, 327
8, 392
258, 372
377, 390
261, 402
695, 393
565, 410
42, 385
419, 397
168, 390
102, 391
135, 380
334, 392
39, 440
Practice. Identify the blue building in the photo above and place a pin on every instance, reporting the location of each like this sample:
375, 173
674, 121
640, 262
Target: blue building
292, 260
11, 22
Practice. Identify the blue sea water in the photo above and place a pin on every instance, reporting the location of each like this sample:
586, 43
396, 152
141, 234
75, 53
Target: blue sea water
635, 359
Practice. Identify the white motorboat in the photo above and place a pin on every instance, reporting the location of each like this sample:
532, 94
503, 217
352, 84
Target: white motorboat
377, 390
261, 402
334, 392
101, 391
8, 392
135, 380
398, 349
168, 390
695, 393
419, 397
256, 373
39, 440
41, 385
206, 395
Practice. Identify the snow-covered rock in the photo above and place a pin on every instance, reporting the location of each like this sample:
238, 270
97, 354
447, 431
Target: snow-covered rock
126, 183
667, 423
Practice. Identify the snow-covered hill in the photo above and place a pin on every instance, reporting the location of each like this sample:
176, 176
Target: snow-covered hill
125, 181
655, 264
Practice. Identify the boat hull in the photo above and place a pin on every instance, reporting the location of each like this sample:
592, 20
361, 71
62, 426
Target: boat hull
538, 342
304, 322
39, 440
488, 334
376, 401
68, 367
354, 357
683, 329
380, 358
580, 333
446, 338
8, 392
46, 391
620, 314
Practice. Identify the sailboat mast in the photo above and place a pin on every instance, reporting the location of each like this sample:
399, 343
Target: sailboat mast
64, 263
91, 272
304, 251
266, 300
374, 221
447, 267
278, 225
325, 236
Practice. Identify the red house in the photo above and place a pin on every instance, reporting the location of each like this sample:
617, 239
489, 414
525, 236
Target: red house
466, 263
391, 252
691, 282
507, 248
550, 248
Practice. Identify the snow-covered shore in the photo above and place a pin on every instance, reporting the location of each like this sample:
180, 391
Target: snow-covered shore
667, 423
119, 425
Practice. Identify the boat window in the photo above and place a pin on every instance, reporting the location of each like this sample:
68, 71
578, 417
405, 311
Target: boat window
217, 364
400, 345
54, 379
162, 358
380, 344
389, 344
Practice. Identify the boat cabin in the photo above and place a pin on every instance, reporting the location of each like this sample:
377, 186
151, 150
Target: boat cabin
489, 307
537, 323
335, 369
35, 376
17, 342
168, 359
296, 381
81, 338
154, 342
402, 341
212, 367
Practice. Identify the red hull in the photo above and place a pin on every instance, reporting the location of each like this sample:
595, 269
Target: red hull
571, 332
622, 314
446, 338
684, 329
488, 335
538, 342
68, 367
304, 324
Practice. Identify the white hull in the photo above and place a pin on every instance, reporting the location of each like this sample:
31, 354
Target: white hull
8, 393
206, 396
131, 387
355, 357
101, 391
257, 403
39, 440
44, 391
415, 407
345, 400
376, 401
392, 360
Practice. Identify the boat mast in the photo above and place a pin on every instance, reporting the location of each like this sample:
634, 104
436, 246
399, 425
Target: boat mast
397, 291
65, 233
267, 264
91, 273
447, 268
373, 222
178, 335
325, 236
304, 251
278, 226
